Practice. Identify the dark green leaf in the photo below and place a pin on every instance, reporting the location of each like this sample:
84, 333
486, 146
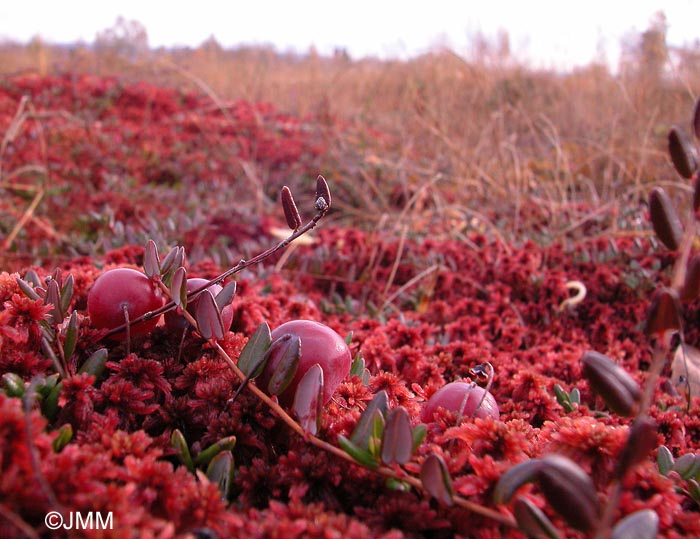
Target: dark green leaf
220, 471
436, 479
208, 317
419, 433
65, 434
67, 293
288, 349
224, 444
358, 366
95, 364
178, 442
397, 440
360, 455
252, 359
308, 400
12, 384
49, 404
642, 524
71, 336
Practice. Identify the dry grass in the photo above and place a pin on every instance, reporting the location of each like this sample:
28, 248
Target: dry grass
465, 145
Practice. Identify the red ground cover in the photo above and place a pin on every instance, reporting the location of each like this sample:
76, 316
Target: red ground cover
138, 155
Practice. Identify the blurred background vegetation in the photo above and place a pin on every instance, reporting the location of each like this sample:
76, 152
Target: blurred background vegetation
480, 142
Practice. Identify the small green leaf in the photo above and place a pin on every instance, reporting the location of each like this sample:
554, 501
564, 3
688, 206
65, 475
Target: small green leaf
220, 471
178, 442
419, 433
374, 443
308, 400
224, 444
664, 460
173, 260
67, 293
360, 455
13, 385
396, 485
252, 359
642, 524
65, 434
71, 336
348, 338
288, 349
208, 317
95, 364
575, 396
49, 404
358, 366
532, 520
363, 430
563, 398
694, 490
397, 440
436, 479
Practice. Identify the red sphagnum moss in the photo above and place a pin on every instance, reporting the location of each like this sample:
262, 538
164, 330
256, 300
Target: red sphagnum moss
485, 303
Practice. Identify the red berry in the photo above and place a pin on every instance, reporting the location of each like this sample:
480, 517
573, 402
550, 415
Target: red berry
461, 397
175, 321
118, 288
319, 344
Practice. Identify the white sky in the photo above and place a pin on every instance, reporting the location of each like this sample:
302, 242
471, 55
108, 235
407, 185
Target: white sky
548, 33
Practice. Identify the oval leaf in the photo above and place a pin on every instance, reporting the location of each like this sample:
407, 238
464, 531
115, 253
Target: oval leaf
253, 356
65, 435
687, 465
67, 293
308, 400
95, 364
514, 478
682, 152
362, 456
642, 524
363, 430
642, 439
291, 213
617, 388
178, 287
570, 491
151, 260
12, 384
664, 219
323, 195
664, 314
71, 336
288, 349
208, 317
220, 471
532, 520
664, 460
436, 479
225, 297
397, 441
225, 444
178, 442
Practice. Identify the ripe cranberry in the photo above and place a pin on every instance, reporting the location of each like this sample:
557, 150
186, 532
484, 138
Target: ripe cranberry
175, 321
461, 397
118, 288
319, 344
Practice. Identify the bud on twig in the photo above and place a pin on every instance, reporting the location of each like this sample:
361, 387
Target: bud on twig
323, 195
664, 219
682, 152
291, 213
664, 313
641, 440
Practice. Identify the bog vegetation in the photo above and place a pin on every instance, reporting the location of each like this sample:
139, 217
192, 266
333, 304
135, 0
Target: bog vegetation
252, 294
